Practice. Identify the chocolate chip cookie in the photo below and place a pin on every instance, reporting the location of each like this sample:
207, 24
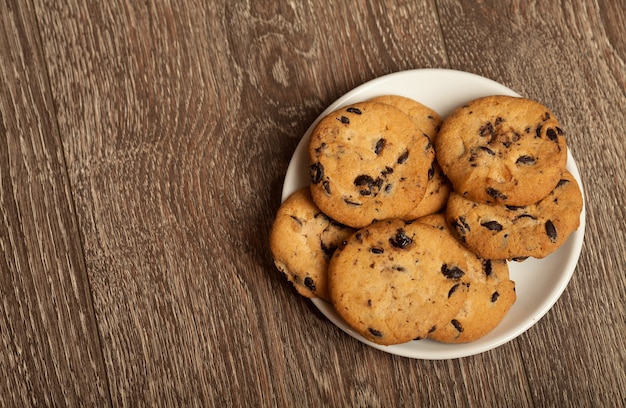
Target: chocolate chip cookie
368, 161
302, 241
396, 281
502, 149
518, 232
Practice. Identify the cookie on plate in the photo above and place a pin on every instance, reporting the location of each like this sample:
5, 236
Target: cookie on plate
490, 296
395, 281
502, 149
424, 117
518, 232
368, 161
436, 197
302, 241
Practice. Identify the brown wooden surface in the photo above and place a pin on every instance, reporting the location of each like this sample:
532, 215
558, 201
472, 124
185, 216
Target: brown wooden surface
143, 147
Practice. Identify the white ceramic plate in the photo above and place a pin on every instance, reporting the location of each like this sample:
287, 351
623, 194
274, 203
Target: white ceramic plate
539, 282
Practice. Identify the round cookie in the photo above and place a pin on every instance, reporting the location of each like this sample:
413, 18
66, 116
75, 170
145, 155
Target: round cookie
490, 296
502, 149
395, 281
436, 197
517, 232
424, 117
302, 241
368, 161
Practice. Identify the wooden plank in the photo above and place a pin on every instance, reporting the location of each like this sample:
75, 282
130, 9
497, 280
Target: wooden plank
570, 57
49, 345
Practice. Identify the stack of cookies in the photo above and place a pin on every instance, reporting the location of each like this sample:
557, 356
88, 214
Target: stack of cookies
513, 197
409, 221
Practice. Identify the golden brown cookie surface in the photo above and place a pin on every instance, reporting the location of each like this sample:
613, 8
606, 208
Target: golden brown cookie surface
302, 241
502, 149
490, 296
395, 281
368, 161
518, 232
426, 119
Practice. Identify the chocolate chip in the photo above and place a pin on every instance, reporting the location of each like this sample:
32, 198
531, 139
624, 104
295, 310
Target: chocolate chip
452, 273
492, 225
525, 159
487, 150
309, 283
545, 116
321, 148
551, 133
487, 267
399, 268
551, 231
486, 130
296, 219
432, 329
457, 325
403, 157
559, 131
380, 145
428, 144
538, 132
453, 289
344, 120
375, 332
515, 207
400, 240
316, 170
495, 296
388, 170
350, 202
461, 227
326, 186
461, 222
520, 258
431, 172
367, 185
354, 110
495, 193
562, 182
377, 250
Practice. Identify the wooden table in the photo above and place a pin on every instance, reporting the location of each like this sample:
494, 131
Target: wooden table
142, 153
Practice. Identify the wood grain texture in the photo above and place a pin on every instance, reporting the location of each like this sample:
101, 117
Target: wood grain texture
49, 345
176, 174
172, 126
